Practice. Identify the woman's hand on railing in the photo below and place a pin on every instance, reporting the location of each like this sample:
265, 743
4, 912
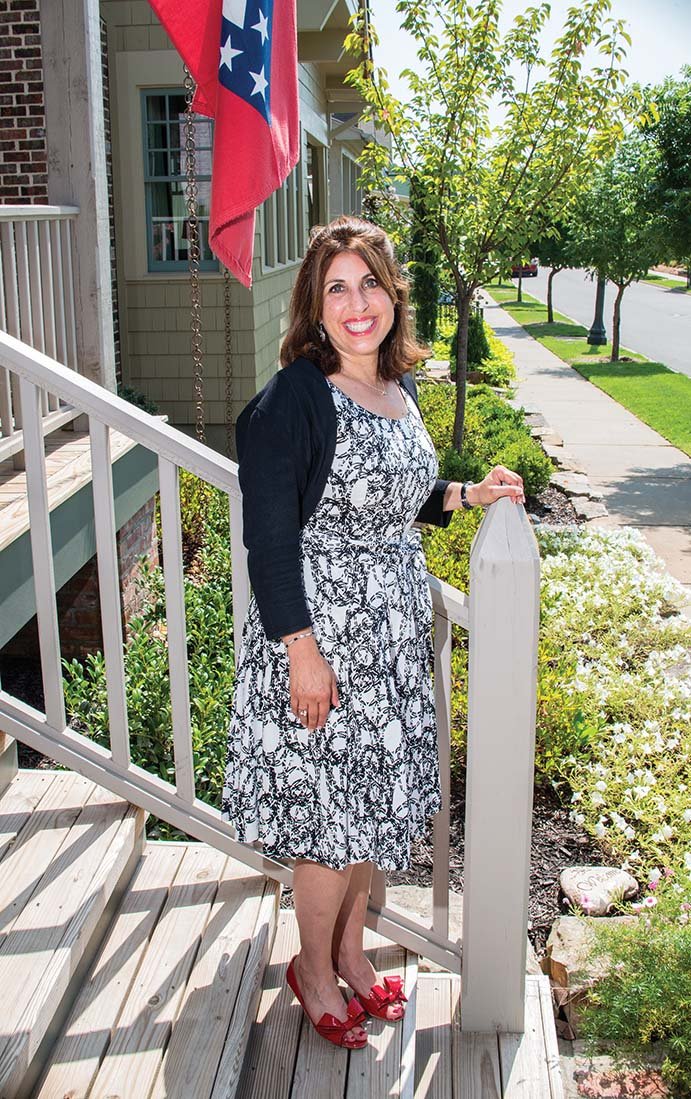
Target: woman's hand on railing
313, 684
500, 481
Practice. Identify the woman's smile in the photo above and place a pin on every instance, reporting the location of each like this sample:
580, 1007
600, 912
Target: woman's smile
357, 312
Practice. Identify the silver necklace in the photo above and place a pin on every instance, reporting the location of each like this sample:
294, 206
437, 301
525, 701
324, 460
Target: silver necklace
381, 392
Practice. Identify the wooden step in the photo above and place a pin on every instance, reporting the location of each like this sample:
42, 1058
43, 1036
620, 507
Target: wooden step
167, 1005
67, 850
287, 1058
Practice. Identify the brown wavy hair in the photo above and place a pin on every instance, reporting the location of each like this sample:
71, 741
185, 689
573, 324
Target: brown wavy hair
399, 350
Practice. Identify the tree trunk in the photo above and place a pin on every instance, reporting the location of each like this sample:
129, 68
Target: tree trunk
463, 309
550, 307
616, 323
520, 288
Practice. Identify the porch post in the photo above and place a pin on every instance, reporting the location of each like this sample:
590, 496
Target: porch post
502, 680
75, 138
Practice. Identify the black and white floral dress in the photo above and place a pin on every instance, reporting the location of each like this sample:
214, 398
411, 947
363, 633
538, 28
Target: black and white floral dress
363, 786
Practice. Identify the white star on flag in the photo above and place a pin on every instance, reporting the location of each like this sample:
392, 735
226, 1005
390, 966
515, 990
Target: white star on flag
260, 83
234, 11
262, 26
228, 53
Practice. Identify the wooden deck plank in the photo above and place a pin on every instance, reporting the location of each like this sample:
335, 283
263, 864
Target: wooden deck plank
523, 1057
477, 1073
549, 1031
214, 987
407, 1072
249, 995
376, 1070
68, 468
17, 803
321, 1068
270, 1056
38, 842
49, 935
75, 1058
135, 1052
433, 1039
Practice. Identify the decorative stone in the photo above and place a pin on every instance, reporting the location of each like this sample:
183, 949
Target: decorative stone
571, 968
573, 484
588, 509
596, 889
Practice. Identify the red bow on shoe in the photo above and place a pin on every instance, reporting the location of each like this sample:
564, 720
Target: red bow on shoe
380, 998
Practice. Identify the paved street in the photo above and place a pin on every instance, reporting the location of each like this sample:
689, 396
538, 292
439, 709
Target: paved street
644, 480
654, 321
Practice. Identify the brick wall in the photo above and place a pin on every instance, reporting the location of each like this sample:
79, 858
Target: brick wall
23, 177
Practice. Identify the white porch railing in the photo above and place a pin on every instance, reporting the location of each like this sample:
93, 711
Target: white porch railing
37, 306
501, 616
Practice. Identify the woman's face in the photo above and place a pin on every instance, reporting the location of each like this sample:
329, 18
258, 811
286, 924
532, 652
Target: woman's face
357, 312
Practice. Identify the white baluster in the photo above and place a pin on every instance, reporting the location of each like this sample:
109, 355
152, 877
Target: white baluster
176, 628
109, 590
42, 555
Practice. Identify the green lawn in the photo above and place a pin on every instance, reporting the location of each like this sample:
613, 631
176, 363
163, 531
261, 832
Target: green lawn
667, 284
658, 396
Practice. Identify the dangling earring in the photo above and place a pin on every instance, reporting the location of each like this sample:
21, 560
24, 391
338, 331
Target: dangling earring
322, 332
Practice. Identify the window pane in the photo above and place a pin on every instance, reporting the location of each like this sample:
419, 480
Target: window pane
155, 107
157, 136
158, 165
177, 106
161, 199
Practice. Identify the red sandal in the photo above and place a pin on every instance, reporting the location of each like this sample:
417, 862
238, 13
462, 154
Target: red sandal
380, 999
329, 1027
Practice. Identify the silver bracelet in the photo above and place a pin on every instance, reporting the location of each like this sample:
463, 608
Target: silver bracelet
308, 633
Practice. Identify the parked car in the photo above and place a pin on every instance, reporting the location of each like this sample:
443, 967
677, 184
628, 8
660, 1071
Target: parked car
527, 270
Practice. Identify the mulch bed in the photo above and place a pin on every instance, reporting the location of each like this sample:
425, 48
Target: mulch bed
556, 841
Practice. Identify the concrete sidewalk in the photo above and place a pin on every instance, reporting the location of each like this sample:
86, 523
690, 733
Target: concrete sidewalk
645, 481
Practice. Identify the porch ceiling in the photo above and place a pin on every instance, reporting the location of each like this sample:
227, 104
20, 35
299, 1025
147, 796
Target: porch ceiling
322, 28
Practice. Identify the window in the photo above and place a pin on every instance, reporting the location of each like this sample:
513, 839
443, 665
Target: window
283, 228
165, 177
350, 178
316, 185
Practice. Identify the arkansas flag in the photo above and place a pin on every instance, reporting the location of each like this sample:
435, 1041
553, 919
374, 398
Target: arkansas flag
242, 55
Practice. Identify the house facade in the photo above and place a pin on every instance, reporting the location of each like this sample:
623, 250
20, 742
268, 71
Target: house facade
93, 172
142, 180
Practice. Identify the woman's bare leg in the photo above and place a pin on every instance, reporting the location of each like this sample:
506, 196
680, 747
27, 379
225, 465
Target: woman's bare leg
318, 892
347, 942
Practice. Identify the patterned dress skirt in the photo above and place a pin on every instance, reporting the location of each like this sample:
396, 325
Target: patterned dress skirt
362, 787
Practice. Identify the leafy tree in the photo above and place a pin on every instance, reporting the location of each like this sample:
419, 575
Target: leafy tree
556, 250
670, 132
619, 230
489, 190
425, 257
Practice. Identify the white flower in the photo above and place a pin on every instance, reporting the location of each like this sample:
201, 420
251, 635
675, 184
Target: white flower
654, 874
687, 816
596, 798
600, 829
687, 860
601, 786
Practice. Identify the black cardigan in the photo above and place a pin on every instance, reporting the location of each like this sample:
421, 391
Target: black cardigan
286, 440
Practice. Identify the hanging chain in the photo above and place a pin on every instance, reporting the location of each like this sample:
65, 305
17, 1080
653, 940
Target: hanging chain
228, 363
194, 255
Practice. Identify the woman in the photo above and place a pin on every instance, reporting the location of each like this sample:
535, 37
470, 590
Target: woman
332, 754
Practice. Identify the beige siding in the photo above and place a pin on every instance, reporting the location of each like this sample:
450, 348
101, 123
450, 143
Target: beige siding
156, 306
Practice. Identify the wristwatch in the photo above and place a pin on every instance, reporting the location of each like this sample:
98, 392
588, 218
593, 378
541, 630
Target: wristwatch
464, 496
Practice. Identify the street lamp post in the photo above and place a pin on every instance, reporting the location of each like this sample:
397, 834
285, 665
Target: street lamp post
597, 335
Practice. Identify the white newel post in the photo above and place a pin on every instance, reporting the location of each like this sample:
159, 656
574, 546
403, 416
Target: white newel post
502, 681
75, 137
